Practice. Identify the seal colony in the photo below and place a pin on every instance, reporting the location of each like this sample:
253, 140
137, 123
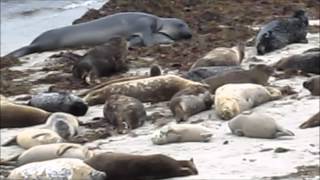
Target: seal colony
232, 93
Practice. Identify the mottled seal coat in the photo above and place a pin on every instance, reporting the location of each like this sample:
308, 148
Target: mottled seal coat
124, 113
66, 125
222, 56
120, 166
232, 99
103, 60
256, 125
152, 89
176, 133
279, 33
200, 73
63, 168
59, 102
311, 122
14, 115
51, 151
313, 85
148, 29
306, 62
190, 101
258, 74
34, 137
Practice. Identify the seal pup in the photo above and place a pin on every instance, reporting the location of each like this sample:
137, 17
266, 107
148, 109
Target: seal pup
59, 102
119, 166
257, 74
222, 56
200, 73
311, 122
34, 137
232, 99
103, 60
313, 85
50, 151
124, 113
190, 101
62, 168
129, 25
14, 115
64, 124
279, 33
176, 133
256, 125
306, 62
151, 89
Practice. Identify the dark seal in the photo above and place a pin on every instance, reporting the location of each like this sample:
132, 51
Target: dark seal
103, 60
313, 85
257, 74
124, 112
120, 166
307, 62
314, 121
279, 33
59, 102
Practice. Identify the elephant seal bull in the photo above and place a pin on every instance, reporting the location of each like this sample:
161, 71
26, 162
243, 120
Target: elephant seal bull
137, 27
120, 166
279, 33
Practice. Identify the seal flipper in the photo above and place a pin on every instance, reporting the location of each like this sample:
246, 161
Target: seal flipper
23, 51
238, 132
11, 141
63, 149
206, 136
11, 161
283, 132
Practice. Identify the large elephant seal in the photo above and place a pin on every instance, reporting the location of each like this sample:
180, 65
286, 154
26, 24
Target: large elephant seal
313, 85
200, 73
15, 115
63, 168
34, 137
311, 122
59, 102
103, 60
306, 62
279, 33
256, 125
190, 101
148, 28
64, 124
258, 74
152, 89
124, 112
120, 166
232, 99
222, 56
50, 151
175, 133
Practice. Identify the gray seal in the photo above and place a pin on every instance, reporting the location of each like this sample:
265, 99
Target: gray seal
313, 85
59, 102
279, 33
256, 125
137, 27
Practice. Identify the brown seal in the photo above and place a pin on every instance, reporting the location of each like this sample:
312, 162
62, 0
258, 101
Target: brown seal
312, 122
308, 62
103, 60
120, 166
257, 74
190, 101
222, 56
152, 89
313, 85
124, 112
14, 115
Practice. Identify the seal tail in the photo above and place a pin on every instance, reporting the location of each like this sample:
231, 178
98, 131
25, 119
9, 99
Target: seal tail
11, 161
23, 51
284, 132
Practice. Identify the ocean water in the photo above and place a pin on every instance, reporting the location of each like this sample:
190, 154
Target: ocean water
23, 20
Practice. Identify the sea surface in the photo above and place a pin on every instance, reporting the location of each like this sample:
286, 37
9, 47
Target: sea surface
23, 20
